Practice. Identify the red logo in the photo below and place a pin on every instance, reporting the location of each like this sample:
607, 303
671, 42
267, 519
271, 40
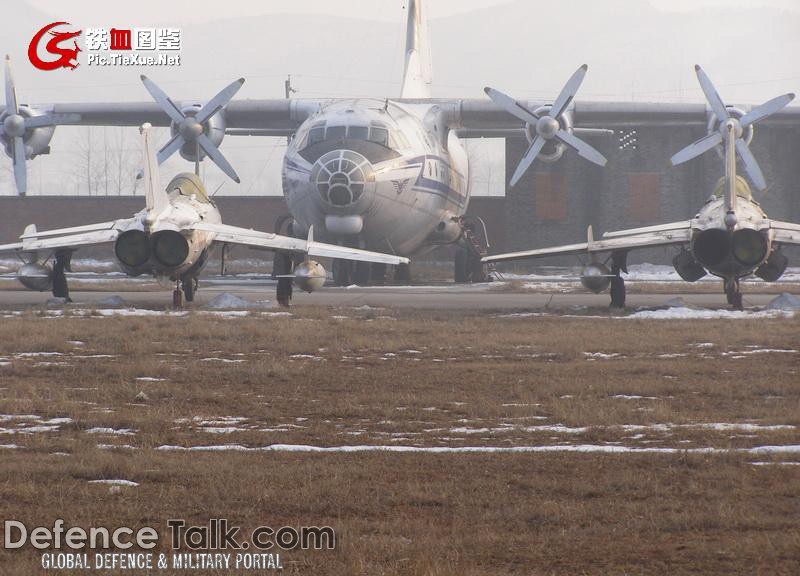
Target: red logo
120, 39
65, 55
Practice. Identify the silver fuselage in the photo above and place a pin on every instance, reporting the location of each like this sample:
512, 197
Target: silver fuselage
376, 174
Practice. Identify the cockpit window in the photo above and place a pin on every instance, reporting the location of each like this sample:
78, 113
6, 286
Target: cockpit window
358, 132
336, 133
315, 135
379, 135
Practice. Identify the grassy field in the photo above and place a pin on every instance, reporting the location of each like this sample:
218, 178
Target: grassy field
644, 441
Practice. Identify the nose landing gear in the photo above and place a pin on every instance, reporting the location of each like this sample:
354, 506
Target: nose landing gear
734, 293
473, 246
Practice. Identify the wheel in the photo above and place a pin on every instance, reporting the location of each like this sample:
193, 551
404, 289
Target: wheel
734, 294
189, 285
282, 265
402, 274
342, 272
460, 275
60, 285
617, 292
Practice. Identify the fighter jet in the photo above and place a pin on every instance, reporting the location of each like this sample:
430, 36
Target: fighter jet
730, 237
386, 174
172, 239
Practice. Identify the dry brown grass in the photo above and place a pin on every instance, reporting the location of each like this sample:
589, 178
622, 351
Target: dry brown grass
557, 513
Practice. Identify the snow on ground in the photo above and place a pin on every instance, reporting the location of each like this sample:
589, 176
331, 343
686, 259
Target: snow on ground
705, 314
115, 482
636, 273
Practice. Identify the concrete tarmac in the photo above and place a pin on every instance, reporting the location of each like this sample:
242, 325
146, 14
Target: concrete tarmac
441, 296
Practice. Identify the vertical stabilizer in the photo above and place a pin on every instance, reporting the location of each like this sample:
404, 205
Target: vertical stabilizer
156, 197
418, 74
730, 168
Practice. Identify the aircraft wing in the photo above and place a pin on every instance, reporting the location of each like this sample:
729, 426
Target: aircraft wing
470, 117
785, 232
623, 240
276, 242
66, 238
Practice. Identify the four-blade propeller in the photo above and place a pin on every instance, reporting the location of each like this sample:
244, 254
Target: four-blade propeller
725, 119
549, 126
14, 127
190, 127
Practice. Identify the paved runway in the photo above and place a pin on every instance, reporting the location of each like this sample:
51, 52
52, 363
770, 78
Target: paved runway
451, 296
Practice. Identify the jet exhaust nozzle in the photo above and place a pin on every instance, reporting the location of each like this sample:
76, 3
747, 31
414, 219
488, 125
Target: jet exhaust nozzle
712, 247
169, 248
749, 247
132, 248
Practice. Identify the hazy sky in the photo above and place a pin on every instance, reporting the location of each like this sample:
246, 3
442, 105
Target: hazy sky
191, 11
635, 53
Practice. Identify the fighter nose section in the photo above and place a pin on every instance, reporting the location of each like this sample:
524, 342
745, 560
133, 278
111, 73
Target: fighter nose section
345, 180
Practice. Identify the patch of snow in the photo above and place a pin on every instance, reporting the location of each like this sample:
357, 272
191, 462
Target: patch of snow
115, 482
705, 314
111, 431
785, 301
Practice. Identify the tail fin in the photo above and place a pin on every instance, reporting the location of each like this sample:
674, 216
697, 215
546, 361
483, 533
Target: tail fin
730, 169
156, 197
418, 74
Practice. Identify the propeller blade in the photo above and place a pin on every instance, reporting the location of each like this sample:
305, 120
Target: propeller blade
216, 156
716, 103
750, 165
568, 92
511, 106
37, 121
170, 148
582, 148
11, 92
697, 148
766, 109
161, 98
219, 101
20, 170
533, 151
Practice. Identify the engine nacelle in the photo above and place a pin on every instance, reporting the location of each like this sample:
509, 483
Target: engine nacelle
773, 268
309, 276
36, 277
689, 269
37, 140
553, 150
214, 128
596, 277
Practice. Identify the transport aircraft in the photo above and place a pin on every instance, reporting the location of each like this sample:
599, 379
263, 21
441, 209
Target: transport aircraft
171, 238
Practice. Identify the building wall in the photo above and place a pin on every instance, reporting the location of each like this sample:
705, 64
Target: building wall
555, 203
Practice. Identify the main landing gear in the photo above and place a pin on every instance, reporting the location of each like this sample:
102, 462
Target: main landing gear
349, 272
734, 293
282, 268
473, 246
619, 264
62, 264
185, 288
